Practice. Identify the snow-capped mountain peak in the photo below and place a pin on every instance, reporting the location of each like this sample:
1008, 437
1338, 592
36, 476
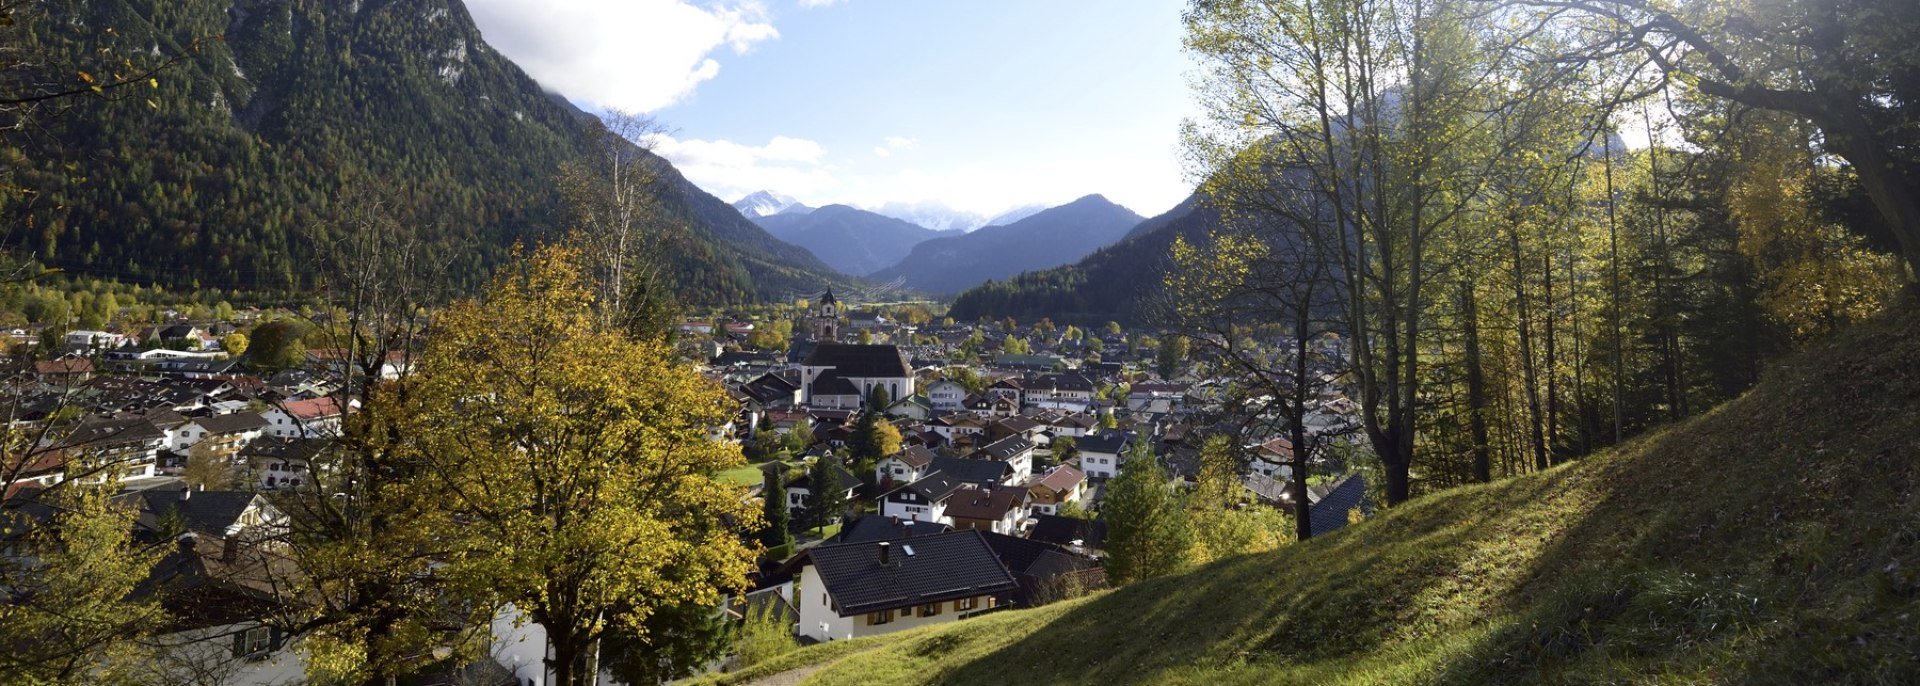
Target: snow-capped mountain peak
768, 203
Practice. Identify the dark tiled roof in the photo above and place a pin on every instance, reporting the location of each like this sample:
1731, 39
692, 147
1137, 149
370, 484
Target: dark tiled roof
916, 456
924, 570
972, 471
203, 511
861, 361
935, 486
877, 528
232, 423
1346, 494
1024, 556
832, 383
276, 448
1111, 442
986, 505
1006, 448
1065, 530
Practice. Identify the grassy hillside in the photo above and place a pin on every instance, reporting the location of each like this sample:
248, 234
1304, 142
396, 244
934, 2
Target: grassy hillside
1773, 540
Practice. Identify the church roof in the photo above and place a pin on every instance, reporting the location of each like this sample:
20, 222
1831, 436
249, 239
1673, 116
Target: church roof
861, 361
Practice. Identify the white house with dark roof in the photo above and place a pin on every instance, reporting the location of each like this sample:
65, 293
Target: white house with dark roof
924, 500
867, 589
1102, 455
946, 395
904, 467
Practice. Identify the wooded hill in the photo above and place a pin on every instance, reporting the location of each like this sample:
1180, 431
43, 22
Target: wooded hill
237, 159
1771, 540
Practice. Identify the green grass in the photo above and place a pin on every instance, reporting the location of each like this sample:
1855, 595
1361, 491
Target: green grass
749, 475
1773, 540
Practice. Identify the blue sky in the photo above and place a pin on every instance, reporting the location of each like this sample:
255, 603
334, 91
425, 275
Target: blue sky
984, 105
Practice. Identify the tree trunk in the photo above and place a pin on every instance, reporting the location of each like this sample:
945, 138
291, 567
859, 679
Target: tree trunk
1476, 386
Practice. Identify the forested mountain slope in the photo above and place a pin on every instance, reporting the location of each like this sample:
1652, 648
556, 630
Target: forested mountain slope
242, 154
1775, 539
1112, 284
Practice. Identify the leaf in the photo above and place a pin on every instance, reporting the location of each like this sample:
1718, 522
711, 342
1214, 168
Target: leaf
86, 77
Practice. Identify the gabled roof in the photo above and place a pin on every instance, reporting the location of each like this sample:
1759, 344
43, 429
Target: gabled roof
211, 512
972, 471
1065, 530
103, 432
312, 408
1112, 442
1017, 424
1005, 448
924, 570
1028, 557
277, 448
984, 504
832, 383
861, 361
232, 423
934, 487
871, 528
915, 456
1330, 512
1060, 479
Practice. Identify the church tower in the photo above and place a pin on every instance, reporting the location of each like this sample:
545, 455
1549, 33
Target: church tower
826, 318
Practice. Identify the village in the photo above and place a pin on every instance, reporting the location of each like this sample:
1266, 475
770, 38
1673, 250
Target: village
929, 473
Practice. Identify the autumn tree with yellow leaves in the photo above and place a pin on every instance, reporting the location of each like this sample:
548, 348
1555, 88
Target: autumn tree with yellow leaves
579, 461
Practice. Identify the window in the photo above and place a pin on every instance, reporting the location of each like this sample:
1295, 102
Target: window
964, 604
930, 609
254, 641
878, 618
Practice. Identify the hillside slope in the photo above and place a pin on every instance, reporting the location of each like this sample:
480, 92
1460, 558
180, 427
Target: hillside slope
1773, 540
238, 158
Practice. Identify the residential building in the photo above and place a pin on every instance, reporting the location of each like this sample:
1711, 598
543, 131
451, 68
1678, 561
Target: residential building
853, 590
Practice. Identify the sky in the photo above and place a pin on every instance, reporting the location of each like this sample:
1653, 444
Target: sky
983, 105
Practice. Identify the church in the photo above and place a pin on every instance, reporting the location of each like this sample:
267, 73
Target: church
841, 376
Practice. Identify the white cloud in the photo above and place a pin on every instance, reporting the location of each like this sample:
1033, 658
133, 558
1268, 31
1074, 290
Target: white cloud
902, 143
810, 4
882, 151
791, 166
634, 55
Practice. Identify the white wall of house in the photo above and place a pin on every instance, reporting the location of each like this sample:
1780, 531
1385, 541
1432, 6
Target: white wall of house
1100, 465
820, 622
917, 512
198, 655
946, 395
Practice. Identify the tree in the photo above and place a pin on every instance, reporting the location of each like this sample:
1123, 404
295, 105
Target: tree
827, 503
1148, 531
777, 533
235, 344
278, 344
1828, 63
587, 477
206, 470
677, 642
764, 635
613, 197
1172, 352
72, 617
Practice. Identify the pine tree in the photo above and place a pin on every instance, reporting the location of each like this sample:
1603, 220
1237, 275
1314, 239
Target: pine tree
1148, 530
778, 532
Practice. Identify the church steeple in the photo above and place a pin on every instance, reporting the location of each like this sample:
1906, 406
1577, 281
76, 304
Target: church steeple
826, 317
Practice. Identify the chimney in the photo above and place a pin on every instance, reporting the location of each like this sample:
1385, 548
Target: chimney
884, 550
230, 549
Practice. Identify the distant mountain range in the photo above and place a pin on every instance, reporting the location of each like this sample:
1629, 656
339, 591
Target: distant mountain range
1048, 238
1114, 283
852, 240
280, 113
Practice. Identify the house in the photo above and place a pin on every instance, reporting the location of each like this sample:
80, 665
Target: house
1007, 389
1061, 391
127, 446
915, 407
84, 340
835, 372
978, 472
800, 490
1016, 451
1046, 572
1084, 535
924, 500
946, 395
68, 370
1101, 454
853, 590
282, 463
1061, 485
1342, 498
222, 435
311, 418
1273, 459
954, 426
999, 510
906, 466
1156, 397
869, 528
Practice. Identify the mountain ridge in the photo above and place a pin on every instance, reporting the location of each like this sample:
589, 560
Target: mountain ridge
1049, 238
849, 239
